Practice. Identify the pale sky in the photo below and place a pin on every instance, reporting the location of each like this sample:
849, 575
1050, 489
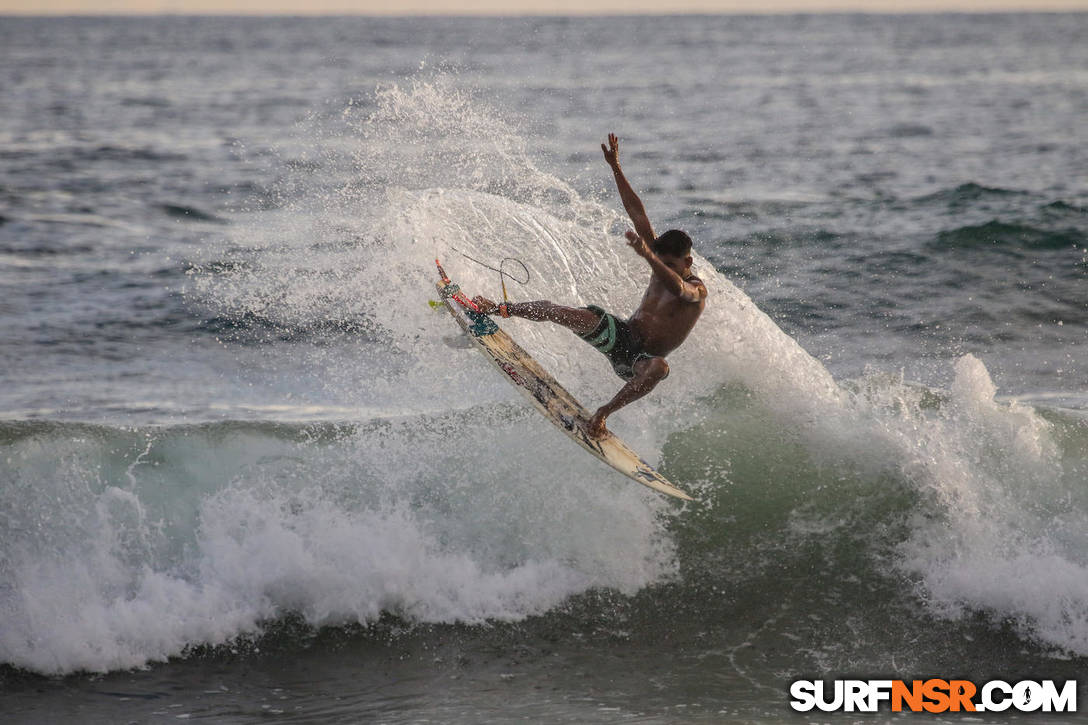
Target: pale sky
518, 7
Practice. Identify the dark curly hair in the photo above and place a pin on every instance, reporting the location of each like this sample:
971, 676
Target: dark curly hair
674, 243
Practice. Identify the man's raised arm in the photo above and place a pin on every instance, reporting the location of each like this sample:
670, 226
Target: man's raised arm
630, 199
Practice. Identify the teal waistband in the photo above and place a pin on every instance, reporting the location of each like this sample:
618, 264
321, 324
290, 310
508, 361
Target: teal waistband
607, 339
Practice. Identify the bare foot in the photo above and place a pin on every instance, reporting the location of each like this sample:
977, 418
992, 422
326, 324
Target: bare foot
486, 306
595, 427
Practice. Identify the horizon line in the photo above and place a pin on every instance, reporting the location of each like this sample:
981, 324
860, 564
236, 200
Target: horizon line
1049, 10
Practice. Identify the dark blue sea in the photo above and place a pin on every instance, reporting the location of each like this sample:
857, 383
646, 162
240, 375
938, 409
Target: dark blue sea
249, 474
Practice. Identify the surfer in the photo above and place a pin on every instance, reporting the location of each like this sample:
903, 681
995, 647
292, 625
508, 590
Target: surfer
671, 305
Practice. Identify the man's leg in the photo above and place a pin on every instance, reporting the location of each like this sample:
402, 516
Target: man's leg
648, 373
577, 319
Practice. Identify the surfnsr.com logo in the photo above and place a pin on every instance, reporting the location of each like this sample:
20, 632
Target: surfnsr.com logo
934, 695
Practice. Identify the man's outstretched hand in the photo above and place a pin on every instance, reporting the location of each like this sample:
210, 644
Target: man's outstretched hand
637, 243
612, 151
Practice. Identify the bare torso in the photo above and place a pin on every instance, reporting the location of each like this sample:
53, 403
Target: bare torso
663, 320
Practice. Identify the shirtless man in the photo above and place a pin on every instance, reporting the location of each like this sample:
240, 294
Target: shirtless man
669, 309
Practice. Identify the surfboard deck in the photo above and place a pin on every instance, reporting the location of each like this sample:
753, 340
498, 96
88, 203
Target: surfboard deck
547, 395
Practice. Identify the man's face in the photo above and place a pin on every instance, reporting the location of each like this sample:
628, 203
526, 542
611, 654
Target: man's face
677, 264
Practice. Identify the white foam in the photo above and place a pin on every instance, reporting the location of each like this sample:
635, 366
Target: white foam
104, 583
1001, 529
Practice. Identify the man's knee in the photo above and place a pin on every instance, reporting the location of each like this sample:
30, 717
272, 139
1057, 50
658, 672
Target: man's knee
652, 370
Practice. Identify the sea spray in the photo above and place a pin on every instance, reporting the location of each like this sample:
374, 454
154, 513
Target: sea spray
439, 174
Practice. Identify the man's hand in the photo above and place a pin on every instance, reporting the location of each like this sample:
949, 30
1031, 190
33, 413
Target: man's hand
612, 151
637, 243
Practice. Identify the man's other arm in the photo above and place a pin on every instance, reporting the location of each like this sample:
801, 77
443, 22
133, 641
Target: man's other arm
687, 291
630, 199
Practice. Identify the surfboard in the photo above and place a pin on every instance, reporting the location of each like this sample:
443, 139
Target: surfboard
544, 391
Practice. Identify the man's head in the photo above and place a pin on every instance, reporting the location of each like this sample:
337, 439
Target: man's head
674, 248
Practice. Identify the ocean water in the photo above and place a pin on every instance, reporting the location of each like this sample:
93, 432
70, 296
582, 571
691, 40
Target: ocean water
248, 474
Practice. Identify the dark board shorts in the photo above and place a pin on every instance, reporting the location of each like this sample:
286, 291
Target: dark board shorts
614, 339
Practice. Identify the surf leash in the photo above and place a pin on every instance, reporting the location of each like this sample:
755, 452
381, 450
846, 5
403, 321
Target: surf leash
503, 274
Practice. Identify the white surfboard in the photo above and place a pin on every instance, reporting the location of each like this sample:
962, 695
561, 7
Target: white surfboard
545, 393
